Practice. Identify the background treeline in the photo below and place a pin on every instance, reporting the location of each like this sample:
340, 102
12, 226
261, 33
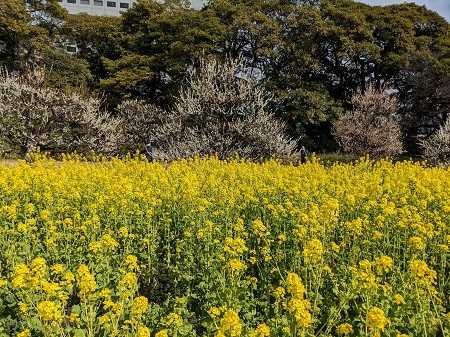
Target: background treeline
312, 57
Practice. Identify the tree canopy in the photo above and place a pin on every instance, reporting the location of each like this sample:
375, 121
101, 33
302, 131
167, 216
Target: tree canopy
311, 56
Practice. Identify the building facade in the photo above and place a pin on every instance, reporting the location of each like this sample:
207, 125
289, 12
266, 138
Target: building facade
97, 7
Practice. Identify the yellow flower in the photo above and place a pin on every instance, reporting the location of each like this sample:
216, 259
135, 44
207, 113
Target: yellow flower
140, 305
443, 248
22, 227
259, 228
398, 299
49, 311
105, 293
377, 235
421, 270
123, 232
23, 307
128, 283
281, 238
344, 329
214, 311
235, 265
295, 285
376, 320
300, 232
20, 276
335, 247
68, 278
95, 247
262, 330
365, 265
162, 333
230, 324
117, 309
38, 267
103, 320
174, 319
108, 304
132, 262
24, 333
50, 288
235, 246
383, 264
57, 268
45, 215
416, 242
108, 242
313, 251
300, 309
279, 292
143, 331
86, 282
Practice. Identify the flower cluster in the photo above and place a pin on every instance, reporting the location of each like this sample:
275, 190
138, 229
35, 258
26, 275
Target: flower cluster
203, 247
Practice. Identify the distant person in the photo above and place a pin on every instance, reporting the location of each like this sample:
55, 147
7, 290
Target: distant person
149, 152
303, 154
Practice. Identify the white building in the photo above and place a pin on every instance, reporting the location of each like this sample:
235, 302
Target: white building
97, 7
107, 7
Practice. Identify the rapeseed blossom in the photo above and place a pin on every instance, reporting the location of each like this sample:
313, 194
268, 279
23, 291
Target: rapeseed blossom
376, 320
24, 333
173, 319
294, 286
86, 281
313, 251
344, 329
124, 247
143, 331
140, 305
230, 325
262, 330
383, 264
49, 311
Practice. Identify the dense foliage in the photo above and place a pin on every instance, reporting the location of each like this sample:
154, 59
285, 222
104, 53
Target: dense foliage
312, 56
213, 248
29, 37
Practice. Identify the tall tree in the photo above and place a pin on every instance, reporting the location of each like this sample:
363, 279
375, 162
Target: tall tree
98, 39
344, 47
19, 41
29, 36
164, 40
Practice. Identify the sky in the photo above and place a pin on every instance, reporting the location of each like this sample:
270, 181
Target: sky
440, 6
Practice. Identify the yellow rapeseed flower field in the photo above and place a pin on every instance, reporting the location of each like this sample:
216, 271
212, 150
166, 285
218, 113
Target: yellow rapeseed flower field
225, 249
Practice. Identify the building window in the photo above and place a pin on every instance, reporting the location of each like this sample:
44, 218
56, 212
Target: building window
124, 5
98, 2
71, 1
59, 0
111, 4
84, 2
